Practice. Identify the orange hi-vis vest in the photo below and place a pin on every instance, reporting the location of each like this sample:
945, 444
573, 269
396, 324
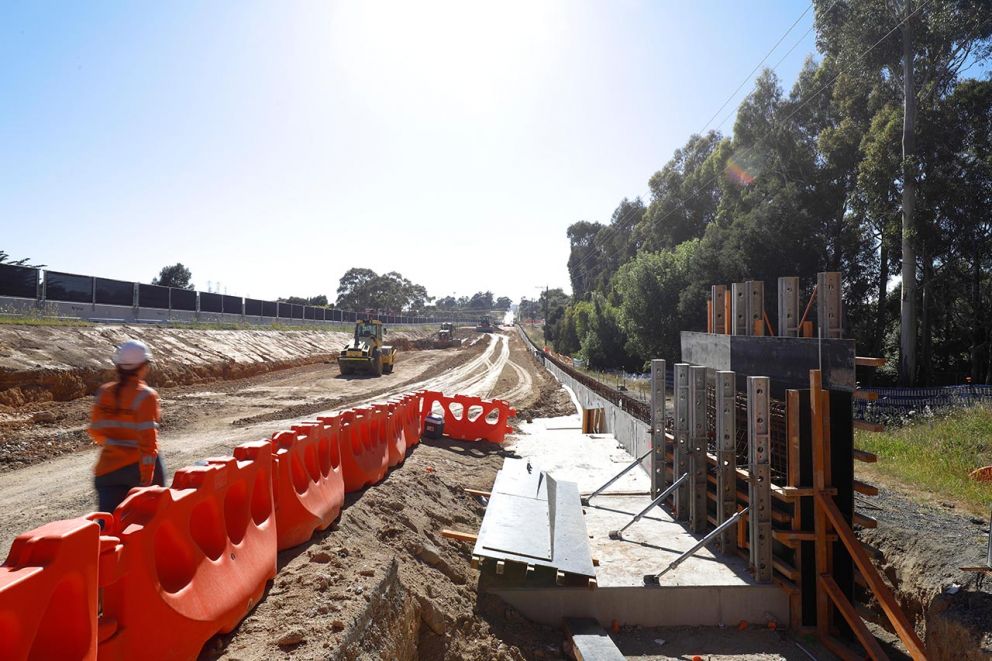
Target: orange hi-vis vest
126, 425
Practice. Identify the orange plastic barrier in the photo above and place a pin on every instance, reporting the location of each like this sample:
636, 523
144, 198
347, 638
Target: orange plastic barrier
307, 484
392, 432
364, 459
410, 420
469, 418
48, 593
181, 564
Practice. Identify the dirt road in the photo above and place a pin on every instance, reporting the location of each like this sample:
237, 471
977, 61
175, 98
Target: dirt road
208, 420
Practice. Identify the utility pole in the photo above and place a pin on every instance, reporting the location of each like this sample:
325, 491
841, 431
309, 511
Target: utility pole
908, 314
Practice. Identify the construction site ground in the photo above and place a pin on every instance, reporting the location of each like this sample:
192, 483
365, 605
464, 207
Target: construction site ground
382, 582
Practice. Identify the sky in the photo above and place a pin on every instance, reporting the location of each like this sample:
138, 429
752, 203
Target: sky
270, 146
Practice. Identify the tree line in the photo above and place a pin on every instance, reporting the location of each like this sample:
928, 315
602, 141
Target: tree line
876, 163
361, 289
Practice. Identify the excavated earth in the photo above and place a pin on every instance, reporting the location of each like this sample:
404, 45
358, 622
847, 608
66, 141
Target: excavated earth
920, 546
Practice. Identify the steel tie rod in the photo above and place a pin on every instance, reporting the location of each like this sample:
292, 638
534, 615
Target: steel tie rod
655, 579
618, 534
585, 501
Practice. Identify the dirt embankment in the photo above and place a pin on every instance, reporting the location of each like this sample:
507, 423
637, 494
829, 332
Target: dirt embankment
920, 549
39, 363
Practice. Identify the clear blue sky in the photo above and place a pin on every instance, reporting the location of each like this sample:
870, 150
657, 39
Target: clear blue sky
270, 146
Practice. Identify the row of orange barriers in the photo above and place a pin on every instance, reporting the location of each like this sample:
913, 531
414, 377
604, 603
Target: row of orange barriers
469, 418
194, 558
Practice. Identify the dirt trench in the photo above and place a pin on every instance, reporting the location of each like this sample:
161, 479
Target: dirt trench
920, 549
383, 583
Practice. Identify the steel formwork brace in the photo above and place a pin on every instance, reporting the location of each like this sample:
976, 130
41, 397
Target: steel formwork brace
726, 454
654, 579
759, 487
698, 464
680, 451
788, 306
618, 534
738, 309
658, 477
631, 466
718, 321
829, 319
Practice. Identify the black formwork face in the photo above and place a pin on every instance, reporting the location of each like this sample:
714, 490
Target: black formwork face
842, 479
18, 281
269, 308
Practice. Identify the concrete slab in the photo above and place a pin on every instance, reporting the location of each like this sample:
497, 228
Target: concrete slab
558, 446
707, 589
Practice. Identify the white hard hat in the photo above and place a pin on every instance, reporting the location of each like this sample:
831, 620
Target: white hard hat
132, 354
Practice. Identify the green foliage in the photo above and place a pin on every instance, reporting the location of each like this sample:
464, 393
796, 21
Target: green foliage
5, 259
177, 276
363, 289
812, 180
937, 455
655, 288
317, 301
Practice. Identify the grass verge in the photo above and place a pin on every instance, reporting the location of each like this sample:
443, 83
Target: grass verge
937, 455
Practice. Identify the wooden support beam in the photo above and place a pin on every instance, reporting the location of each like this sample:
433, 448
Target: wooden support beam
864, 520
865, 489
864, 636
868, 361
820, 421
902, 625
792, 536
865, 395
867, 457
869, 426
459, 536
478, 492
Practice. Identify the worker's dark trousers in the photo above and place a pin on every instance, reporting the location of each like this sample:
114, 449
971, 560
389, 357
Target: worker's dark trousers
112, 488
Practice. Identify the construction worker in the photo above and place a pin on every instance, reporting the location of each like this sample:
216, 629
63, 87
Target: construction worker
124, 423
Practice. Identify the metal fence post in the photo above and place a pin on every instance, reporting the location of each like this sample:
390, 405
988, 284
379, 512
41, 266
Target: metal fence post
726, 456
658, 481
788, 306
697, 449
759, 487
829, 319
680, 458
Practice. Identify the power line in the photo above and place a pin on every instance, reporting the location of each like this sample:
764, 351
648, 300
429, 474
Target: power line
757, 66
734, 93
815, 94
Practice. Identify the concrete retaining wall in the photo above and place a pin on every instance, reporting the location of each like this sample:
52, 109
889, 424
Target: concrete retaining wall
634, 434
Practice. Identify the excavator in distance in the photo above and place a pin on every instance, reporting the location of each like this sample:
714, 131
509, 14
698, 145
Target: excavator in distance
367, 352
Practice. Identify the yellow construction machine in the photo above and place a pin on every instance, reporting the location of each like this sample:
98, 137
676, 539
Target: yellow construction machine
366, 352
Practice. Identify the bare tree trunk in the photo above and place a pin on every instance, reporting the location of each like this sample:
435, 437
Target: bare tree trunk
977, 330
883, 291
926, 320
908, 320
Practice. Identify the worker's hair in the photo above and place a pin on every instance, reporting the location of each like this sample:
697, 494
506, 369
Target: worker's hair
123, 376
